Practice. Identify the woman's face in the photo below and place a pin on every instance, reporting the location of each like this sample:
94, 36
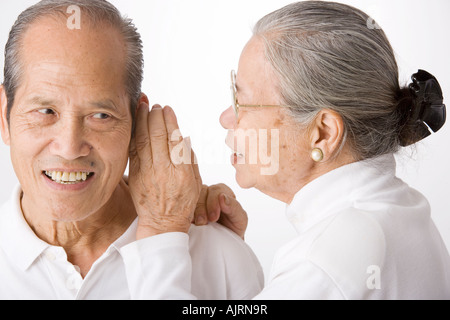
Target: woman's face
270, 151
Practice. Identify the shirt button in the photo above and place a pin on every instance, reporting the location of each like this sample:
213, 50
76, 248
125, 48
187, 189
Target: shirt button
50, 256
74, 281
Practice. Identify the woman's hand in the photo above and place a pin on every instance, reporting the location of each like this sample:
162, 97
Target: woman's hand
218, 203
164, 181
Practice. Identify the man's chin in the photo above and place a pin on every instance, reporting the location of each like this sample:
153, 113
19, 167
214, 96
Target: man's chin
66, 214
61, 207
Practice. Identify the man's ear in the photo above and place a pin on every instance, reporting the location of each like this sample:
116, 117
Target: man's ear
4, 125
327, 132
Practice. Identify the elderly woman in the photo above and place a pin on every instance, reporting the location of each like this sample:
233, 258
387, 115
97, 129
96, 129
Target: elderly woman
324, 90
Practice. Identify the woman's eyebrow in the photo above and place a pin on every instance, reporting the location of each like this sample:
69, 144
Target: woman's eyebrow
242, 91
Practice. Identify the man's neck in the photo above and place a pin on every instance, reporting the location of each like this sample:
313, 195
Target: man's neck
86, 240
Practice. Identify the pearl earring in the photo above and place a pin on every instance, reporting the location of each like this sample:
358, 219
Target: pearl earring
317, 155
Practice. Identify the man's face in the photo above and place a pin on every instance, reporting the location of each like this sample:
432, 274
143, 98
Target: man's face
70, 126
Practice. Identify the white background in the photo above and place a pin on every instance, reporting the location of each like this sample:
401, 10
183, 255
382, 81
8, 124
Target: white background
190, 48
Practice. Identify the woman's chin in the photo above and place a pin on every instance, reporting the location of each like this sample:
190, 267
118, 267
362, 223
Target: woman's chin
244, 178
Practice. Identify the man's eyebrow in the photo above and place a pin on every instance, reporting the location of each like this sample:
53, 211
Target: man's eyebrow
41, 101
105, 104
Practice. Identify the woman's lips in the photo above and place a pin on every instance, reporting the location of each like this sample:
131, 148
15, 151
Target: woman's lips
237, 158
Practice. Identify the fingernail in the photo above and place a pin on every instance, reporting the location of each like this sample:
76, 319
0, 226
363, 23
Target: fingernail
156, 106
226, 199
168, 110
200, 220
211, 216
142, 105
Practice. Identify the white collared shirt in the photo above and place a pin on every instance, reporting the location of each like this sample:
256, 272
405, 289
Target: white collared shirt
221, 265
362, 234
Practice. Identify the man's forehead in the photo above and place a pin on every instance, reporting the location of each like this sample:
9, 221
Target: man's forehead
50, 38
52, 53
51, 28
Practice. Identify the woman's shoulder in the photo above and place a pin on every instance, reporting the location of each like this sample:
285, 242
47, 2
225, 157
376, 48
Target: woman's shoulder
350, 249
351, 234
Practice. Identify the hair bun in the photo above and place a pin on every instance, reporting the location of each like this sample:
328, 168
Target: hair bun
421, 108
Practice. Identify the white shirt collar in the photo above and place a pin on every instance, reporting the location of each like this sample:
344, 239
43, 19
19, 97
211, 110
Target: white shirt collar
16, 237
22, 245
337, 189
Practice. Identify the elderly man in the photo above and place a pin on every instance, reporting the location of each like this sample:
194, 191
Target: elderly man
71, 230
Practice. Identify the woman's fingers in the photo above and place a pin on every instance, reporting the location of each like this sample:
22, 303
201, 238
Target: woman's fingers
200, 214
158, 138
165, 193
140, 145
179, 147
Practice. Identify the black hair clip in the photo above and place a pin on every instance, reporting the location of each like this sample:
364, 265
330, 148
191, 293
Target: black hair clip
429, 108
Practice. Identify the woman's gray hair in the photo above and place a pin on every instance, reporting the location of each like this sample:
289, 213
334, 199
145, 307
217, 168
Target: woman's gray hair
332, 56
97, 11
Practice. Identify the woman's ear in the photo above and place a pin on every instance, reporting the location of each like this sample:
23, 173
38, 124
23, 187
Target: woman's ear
327, 132
4, 123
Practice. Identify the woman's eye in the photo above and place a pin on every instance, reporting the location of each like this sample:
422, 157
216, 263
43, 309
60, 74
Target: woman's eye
101, 116
46, 111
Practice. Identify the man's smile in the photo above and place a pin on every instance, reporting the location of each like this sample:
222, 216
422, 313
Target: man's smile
65, 178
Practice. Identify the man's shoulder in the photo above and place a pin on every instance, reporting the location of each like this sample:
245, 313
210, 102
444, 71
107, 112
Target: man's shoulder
6, 209
217, 238
5, 221
218, 253
214, 231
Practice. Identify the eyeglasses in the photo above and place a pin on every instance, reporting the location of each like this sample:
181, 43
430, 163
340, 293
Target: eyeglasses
235, 102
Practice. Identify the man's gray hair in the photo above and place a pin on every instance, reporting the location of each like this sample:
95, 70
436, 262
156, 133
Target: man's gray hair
332, 56
98, 11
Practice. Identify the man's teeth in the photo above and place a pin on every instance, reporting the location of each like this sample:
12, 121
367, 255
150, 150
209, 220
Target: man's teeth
68, 177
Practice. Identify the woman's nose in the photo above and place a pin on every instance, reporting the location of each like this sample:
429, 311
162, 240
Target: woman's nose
69, 143
228, 119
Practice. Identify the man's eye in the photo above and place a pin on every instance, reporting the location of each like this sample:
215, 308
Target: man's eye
101, 116
46, 111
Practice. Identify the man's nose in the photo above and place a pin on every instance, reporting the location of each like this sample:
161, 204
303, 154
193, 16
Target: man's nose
228, 119
70, 141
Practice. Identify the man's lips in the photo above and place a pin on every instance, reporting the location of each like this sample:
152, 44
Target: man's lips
68, 177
